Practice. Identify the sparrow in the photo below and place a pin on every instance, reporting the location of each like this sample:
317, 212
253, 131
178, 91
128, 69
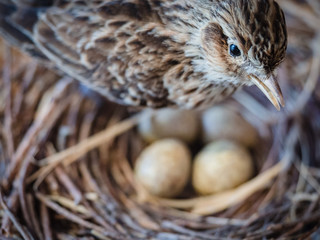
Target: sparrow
155, 53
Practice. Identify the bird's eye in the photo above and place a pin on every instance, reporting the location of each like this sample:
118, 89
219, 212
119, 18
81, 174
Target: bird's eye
234, 51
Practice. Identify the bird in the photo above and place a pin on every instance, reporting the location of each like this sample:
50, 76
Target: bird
155, 53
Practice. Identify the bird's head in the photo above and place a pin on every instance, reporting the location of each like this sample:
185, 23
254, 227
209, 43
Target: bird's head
247, 40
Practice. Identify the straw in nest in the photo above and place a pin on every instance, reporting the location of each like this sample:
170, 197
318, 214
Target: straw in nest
66, 158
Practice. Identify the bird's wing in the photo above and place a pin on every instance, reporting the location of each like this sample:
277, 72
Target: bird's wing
120, 48
15, 25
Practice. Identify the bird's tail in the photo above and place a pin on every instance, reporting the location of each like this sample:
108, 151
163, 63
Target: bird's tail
17, 19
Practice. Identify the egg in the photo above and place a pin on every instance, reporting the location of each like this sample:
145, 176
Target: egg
223, 123
163, 168
169, 123
221, 166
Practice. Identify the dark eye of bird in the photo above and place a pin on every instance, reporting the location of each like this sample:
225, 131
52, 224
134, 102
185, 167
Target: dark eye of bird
234, 51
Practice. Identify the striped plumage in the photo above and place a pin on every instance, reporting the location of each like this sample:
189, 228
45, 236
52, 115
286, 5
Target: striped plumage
154, 52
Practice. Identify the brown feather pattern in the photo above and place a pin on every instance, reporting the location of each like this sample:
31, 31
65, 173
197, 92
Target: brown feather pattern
153, 52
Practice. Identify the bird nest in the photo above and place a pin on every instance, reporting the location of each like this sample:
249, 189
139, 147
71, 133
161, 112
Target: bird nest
66, 157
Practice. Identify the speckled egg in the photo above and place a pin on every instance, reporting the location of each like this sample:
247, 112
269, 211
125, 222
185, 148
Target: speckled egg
223, 123
220, 166
169, 123
163, 168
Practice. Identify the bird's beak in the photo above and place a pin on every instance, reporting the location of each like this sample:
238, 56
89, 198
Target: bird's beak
271, 89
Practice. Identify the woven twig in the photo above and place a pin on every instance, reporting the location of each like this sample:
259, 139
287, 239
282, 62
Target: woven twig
66, 158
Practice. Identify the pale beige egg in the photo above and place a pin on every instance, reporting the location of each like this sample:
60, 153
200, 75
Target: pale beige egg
163, 168
220, 166
169, 123
222, 123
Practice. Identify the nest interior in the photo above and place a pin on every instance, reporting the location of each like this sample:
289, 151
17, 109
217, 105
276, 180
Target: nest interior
66, 157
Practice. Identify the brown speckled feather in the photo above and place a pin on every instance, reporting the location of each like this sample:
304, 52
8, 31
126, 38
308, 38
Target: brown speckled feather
119, 48
137, 52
